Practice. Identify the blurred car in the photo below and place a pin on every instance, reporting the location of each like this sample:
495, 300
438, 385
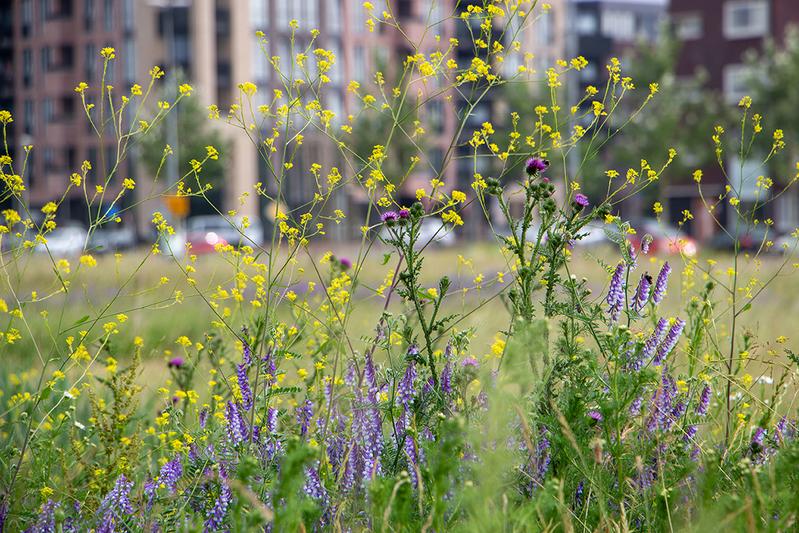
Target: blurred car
666, 239
105, 240
205, 232
593, 234
749, 239
65, 240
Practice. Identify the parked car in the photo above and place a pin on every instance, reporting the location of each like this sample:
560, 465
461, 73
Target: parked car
105, 240
65, 240
206, 231
666, 239
593, 234
749, 239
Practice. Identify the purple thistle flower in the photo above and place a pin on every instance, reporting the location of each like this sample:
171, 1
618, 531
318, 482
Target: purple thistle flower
404, 214
595, 415
470, 362
345, 263
175, 362
236, 426
406, 389
704, 401
304, 416
669, 342
535, 165
661, 283
642, 293
244, 386
116, 506
170, 474
389, 217
581, 200
216, 515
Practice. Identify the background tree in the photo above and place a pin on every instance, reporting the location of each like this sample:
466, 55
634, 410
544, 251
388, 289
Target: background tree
194, 134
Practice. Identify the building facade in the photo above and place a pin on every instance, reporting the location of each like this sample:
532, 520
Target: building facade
715, 37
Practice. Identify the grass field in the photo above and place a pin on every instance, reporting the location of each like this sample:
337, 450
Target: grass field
138, 289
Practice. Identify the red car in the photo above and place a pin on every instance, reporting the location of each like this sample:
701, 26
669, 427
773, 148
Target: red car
666, 239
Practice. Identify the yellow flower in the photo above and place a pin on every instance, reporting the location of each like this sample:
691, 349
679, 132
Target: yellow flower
108, 53
88, 261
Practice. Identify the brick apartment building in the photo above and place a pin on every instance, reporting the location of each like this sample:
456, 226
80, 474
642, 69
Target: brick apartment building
715, 35
55, 44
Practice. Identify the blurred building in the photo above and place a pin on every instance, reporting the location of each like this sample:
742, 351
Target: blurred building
715, 36
607, 28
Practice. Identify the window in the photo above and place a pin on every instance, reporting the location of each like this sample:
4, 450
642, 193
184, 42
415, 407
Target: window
48, 111
258, 14
688, 26
128, 16
27, 67
436, 113
743, 178
88, 14
90, 62
586, 23
108, 15
282, 14
46, 58
130, 59
29, 119
333, 16
787, 212
736, 82
27, 17
66, 57
745, 19
259, 67
618, 24
404, 8
49, 160
67, 107
359, 66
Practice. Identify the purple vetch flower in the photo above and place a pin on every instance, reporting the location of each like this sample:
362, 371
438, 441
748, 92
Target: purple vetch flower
615, 298
244, 386
236, 426
535, 165
635, 407
246, 355
45, 522
669, 342
270, 371
542, 455
149, 492
661, 407
411, 455
116, 507
470, 362
304, 415
175, 362
645, 242
345, 263
581, 200
651, 344
406, 389
446, 378
170, 474
215, 517
389, 217
758, 439
595, 415
690, 433
578, 495
642, 293
661, 283
204, 417
704, 401
314, 489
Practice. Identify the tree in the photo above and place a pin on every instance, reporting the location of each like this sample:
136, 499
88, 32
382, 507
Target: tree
193, 136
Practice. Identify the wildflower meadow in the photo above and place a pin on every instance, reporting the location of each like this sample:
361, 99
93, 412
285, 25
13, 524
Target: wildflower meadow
300, 384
